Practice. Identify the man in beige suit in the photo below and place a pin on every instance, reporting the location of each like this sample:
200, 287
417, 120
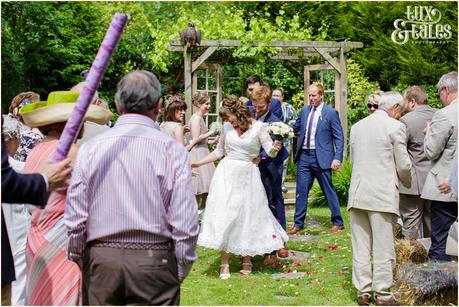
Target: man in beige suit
439, 147
380, 159
414, 210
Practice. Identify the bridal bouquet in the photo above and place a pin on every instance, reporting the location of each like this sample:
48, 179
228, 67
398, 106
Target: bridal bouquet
216, 127
280, 131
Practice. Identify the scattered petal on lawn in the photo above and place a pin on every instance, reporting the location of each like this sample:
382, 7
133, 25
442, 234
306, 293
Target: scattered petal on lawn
333, 247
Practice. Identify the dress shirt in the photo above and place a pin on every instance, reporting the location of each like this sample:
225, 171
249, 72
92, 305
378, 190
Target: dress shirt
133, 184
317, 116
262, 118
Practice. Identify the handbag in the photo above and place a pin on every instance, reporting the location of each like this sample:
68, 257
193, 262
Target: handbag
451, 240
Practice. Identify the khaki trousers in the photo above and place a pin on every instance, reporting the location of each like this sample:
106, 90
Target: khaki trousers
118, 276
6, 294
372, 234
415, 214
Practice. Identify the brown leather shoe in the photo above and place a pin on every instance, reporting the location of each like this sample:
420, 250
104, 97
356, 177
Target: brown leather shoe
282, 253
363, 300
294, 230
335, 228
389, 302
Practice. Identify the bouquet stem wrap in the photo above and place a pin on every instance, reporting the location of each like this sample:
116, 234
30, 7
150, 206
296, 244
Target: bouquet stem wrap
97, 71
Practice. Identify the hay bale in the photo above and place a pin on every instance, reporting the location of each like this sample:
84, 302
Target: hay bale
398, 231
428, 284
408, 251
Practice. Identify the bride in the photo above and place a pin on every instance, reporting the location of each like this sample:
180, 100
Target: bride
237, 218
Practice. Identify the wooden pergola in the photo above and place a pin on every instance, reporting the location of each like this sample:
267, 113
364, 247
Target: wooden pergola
333, 52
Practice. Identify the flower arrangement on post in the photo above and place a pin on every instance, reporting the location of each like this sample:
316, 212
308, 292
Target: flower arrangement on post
280, 131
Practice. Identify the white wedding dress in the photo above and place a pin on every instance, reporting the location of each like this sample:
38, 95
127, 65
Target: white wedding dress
237, 218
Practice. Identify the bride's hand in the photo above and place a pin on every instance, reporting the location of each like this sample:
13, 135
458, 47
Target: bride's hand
277, 145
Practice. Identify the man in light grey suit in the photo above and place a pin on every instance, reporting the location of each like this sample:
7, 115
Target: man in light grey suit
439, 147
414, 210
379, 160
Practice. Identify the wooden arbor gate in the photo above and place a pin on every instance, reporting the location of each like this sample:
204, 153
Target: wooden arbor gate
333, 52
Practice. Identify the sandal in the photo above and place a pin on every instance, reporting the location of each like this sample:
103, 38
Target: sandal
223, 268
245, 271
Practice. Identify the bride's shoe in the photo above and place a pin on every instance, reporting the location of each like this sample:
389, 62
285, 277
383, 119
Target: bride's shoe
246, 268
224, 271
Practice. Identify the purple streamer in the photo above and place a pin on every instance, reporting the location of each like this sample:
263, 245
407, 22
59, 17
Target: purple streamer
97, 71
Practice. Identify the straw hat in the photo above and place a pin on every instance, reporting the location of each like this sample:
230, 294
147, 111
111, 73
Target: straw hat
57, 109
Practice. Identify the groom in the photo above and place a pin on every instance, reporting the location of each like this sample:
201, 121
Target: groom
270, 168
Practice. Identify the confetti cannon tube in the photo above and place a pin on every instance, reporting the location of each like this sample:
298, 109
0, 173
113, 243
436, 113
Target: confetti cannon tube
97, 71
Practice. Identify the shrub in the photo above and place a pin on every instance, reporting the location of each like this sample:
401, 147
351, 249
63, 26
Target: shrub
341, 180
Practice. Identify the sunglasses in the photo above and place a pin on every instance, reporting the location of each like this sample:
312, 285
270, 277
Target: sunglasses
369, 105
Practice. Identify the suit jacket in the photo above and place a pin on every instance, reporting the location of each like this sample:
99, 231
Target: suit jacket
329, 137
439, 147
379, 160
17, 188
415, 122
275, 107
275, 165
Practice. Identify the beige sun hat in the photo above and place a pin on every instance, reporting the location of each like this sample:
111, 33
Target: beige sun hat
57, 109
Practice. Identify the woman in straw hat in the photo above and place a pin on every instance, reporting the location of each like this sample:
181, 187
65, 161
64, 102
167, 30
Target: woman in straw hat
52, 279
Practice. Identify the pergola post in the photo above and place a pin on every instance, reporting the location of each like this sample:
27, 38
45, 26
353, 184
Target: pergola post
343, 94
188, 82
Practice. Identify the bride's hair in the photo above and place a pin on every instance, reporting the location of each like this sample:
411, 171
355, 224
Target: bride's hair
232, 105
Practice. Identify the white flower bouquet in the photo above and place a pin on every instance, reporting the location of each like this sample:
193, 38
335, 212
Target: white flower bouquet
280, 131
216, 128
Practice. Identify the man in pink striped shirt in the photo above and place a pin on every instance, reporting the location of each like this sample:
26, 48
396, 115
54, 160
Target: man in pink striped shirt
130, 210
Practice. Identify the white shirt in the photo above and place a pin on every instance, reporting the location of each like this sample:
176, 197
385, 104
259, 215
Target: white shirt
317, 115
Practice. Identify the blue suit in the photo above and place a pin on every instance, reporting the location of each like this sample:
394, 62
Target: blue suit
17, 188
275, 107
329, 146
271, 175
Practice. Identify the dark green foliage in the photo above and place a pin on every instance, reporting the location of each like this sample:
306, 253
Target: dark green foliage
341, 180
45, 45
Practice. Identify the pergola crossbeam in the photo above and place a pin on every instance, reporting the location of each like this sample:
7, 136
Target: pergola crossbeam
333, 62
300, 44
209, 51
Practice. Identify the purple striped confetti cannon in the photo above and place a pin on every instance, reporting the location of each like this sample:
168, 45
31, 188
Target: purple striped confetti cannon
97, 71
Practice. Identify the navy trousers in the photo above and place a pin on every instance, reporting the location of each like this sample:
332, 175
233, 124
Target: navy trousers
443, 215
307, 170
273, 188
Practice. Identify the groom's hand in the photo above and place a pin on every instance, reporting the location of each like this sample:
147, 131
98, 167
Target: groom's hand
335, 165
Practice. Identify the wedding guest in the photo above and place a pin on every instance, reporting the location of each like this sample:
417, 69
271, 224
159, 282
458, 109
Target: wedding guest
17, 216
237, 218
439, 147
199, 135
51, 279
289, 117
372, 101
414, 210
28, 137
172, 119
320, 150
130, 207
25, 188
378, 155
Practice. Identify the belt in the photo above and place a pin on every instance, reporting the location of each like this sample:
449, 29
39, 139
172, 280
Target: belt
133, 245
308, 150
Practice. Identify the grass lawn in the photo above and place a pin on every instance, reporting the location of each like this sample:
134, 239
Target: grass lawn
328, 267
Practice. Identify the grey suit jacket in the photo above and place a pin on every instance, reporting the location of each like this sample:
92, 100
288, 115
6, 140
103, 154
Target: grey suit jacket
379, 160
416, 122
439, 147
